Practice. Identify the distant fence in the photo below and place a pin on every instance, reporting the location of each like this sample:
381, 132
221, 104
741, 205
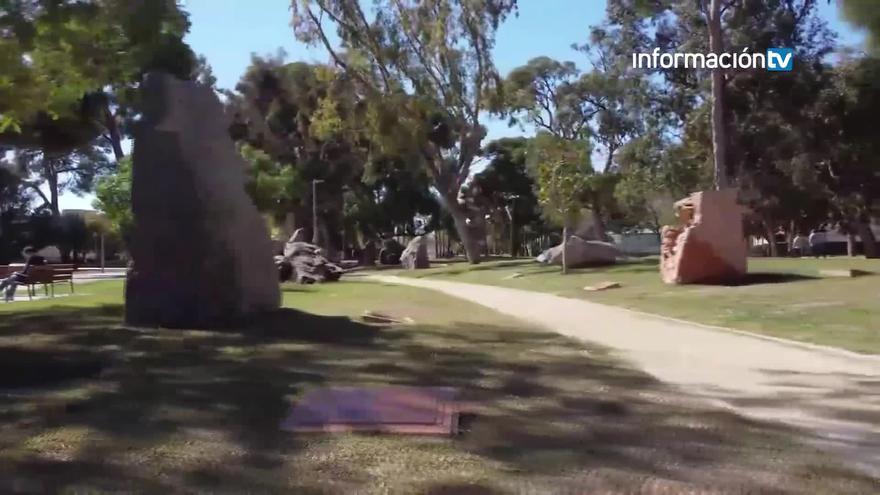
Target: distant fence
638, 244
442, 245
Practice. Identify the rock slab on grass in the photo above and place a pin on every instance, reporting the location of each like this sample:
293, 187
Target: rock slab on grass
581, 252
202, 255
602, 286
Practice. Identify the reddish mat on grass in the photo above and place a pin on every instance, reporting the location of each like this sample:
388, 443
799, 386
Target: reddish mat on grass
392, 409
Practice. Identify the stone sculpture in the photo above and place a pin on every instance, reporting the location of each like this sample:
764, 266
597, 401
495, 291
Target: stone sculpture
305, 264
581, 253
201, 252
709, 244
415, 256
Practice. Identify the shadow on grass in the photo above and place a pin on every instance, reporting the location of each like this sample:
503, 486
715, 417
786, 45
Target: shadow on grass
21, 368
156, 384
180, 411
768, 278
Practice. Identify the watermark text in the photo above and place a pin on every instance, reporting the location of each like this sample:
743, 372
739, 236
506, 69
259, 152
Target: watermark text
775, 59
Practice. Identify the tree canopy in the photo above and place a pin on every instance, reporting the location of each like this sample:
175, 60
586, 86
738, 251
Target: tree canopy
426, 73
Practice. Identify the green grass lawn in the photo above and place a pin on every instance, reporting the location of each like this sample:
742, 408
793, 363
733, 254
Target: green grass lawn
88, 406
782, 297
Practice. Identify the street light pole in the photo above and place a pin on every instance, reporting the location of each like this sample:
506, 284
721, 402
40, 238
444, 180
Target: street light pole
511, 212
315, 183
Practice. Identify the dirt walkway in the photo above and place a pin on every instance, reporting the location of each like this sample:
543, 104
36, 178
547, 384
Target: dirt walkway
834, 395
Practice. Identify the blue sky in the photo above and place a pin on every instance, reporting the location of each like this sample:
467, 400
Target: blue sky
227, 32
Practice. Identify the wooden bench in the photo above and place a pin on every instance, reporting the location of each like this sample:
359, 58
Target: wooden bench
48, 276
45, 275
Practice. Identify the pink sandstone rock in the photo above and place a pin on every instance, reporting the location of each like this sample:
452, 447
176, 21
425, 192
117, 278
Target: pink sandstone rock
709, 245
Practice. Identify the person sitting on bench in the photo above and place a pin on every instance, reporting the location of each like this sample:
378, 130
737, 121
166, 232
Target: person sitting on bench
9, 284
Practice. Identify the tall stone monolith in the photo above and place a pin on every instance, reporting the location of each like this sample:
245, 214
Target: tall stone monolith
201, 252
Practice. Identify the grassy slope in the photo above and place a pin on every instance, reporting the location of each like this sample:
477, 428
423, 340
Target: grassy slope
197, 411
783, 297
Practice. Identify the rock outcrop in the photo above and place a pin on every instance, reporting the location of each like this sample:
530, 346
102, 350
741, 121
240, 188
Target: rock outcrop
299, 235
305, 264
709, 244
581, 253
415, 256
390, 252
201, 252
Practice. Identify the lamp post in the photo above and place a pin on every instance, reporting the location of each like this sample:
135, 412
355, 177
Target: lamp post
511, 211
315, 183
345, 191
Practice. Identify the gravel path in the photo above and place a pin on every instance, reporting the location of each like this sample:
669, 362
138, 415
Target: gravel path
833, 395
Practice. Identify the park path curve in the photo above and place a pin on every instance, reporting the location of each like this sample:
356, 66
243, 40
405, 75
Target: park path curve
834, 395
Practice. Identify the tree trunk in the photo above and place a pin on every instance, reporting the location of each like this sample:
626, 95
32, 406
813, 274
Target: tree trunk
850, 244
598, 223
469, 238
514, 240
719, 137
869, 244
564, 250
771, 239
113, 128
53, 195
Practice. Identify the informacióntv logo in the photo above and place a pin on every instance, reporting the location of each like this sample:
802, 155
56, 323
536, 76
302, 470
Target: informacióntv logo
780, 59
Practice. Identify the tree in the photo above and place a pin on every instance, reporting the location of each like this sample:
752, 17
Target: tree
603, 105
719, 128
387, 200
652, 175
561, 169
76, 67
274, 187
425, 70
71, 234
75, 172
848, 139
113, 198
865, 15
768, 139
505, 188
298, 122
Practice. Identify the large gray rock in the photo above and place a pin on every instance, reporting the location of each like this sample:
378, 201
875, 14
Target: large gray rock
201, 252
415, 256
390, 252
581, 253
298, 236
305, 264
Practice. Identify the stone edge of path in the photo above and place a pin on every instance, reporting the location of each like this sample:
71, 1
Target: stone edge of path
844, 353
779, 340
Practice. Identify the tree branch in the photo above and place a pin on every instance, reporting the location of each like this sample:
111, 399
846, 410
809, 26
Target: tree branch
40, 192
317, 22
726, 6
419, 49
377, 50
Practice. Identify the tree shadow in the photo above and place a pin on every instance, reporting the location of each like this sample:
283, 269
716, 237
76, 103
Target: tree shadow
763, 278
177, 410
21, 368
140, 389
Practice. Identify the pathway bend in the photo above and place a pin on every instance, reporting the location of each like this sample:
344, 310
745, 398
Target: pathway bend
833, 395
